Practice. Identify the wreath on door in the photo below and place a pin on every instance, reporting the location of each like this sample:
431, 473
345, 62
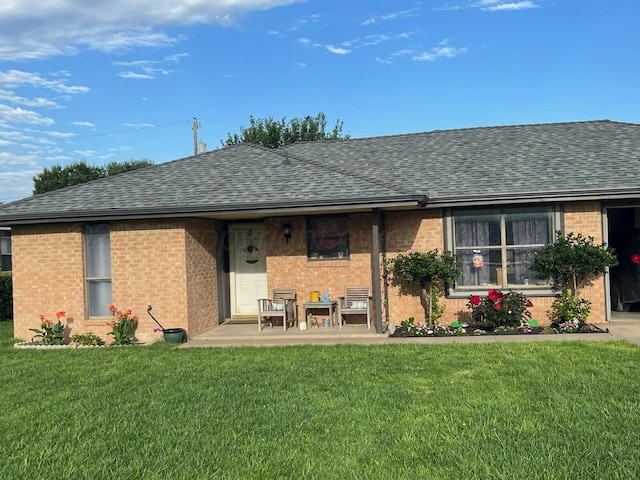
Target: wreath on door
251, 254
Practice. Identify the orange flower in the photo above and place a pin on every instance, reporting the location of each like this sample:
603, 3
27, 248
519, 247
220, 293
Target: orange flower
112, 324
112, 308
60, 314
41, 316
127, 311
134, 318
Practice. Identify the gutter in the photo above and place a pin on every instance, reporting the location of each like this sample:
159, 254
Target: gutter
230, 211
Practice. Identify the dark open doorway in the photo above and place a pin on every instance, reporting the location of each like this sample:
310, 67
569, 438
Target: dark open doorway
624, 235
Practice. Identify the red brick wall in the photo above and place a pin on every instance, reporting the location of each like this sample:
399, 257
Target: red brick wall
423, 230
586, 218
151, 262
288, 266
202, 287
48, 275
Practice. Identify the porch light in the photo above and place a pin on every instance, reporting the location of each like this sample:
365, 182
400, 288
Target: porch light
286, 230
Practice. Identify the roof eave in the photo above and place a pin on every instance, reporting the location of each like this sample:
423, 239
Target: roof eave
222, 212
535, 197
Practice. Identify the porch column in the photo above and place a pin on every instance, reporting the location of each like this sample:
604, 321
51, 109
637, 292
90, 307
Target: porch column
375, 269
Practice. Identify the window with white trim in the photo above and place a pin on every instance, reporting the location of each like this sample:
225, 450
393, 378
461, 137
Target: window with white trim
97, 268
5, 251
496, 245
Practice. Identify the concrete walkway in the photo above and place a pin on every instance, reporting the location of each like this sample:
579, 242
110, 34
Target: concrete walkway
236, 335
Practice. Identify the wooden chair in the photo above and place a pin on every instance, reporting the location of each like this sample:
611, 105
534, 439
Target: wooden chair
356, 301
283, 304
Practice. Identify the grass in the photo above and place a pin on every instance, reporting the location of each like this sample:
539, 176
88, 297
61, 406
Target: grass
542, 410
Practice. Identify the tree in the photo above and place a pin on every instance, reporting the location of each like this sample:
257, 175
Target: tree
573, 260
273, 133
425, 270
57, 177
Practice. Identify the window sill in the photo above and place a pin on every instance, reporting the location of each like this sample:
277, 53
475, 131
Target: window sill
328, 263
531, 292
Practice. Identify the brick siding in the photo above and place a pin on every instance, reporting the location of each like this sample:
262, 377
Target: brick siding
172, 265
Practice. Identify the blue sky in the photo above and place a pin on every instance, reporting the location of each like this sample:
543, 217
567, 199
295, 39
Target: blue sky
123, 79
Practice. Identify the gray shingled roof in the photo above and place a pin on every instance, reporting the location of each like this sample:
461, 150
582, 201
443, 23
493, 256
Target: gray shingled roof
475, 165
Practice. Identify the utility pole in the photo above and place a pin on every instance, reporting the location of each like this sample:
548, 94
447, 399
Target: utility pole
196, 125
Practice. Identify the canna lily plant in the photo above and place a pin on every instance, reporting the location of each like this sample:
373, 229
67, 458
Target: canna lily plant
123, 326
50, 333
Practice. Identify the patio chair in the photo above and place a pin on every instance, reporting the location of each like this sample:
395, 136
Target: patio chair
357, 300
282, 304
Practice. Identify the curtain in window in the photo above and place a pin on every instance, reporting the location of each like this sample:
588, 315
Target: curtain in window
527, 229
98, 265
470, 233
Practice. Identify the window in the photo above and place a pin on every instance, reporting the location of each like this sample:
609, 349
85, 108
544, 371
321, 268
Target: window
97, 268
496, 246
5, 251
327, 238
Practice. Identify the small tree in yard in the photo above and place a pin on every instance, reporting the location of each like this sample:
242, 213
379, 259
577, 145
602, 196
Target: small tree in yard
572, 261
425, 270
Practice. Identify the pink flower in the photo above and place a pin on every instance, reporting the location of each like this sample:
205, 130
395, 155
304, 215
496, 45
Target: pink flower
499, 306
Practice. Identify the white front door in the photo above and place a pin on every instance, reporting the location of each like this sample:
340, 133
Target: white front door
248, 262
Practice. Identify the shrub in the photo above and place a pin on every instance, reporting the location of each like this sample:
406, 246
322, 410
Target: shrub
86, 339
567, 309
500, 309
6, 296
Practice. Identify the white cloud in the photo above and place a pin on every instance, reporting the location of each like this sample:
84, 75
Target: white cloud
11, 97
338, 50
136, 76
391, 16
439, 52
18, 78
19, 115
148, 68
60, 134
83, 124
84, 153
492, 5
16, 185
510, 6
32, 29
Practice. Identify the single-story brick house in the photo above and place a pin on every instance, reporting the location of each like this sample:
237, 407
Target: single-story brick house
202, 238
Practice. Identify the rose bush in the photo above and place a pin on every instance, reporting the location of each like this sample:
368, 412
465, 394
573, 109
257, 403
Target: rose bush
499, 309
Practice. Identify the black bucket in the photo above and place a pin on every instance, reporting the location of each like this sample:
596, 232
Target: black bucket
175, 335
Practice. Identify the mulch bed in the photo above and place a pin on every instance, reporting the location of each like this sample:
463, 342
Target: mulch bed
478, 330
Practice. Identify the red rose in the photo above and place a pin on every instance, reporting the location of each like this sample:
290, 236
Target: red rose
495, 295
475, 300
498, 306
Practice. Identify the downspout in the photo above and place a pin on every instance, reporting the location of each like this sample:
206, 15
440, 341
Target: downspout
375, 269
385, 273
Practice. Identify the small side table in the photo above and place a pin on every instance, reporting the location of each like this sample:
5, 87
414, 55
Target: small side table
330, 306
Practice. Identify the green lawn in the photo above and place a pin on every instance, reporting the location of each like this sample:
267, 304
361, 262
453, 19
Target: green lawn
547, 410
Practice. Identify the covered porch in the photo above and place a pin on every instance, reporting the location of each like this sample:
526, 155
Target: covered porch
247, 334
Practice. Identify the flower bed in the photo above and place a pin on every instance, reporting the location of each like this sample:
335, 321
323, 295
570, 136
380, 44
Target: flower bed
480, 330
